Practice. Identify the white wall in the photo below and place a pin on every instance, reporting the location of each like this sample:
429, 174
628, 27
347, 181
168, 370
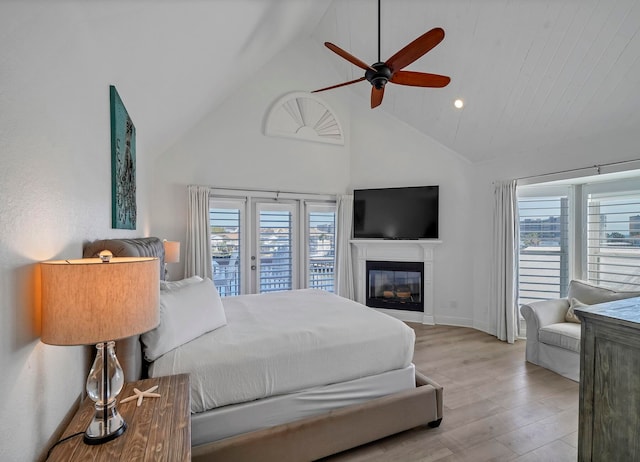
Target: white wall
386, 153
55, 193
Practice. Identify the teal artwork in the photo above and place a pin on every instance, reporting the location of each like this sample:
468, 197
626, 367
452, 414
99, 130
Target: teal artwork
123, 165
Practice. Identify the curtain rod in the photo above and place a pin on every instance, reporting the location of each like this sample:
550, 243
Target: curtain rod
598, 167
269, 191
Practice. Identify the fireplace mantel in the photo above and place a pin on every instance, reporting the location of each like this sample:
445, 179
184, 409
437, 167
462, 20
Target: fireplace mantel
396, 250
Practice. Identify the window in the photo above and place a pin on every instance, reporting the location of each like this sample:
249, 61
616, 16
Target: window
259, 244
613, 238
321, 245
543, 268
587, 231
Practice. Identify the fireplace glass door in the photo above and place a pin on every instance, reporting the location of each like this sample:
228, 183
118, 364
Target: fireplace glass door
395, 285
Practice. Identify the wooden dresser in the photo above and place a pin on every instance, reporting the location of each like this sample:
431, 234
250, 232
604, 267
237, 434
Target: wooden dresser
609, 425
160, 429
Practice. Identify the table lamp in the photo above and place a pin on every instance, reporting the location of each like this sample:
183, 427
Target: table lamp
171, 253
97, 301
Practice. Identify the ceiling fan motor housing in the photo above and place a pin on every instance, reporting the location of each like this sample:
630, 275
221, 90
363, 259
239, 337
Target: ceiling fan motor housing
380, 77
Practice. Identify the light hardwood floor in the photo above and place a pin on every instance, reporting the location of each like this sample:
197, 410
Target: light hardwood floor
497, 407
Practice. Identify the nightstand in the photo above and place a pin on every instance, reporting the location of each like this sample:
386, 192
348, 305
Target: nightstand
160, 429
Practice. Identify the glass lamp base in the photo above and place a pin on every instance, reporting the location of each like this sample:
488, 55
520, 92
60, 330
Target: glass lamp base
102, 430
104, 382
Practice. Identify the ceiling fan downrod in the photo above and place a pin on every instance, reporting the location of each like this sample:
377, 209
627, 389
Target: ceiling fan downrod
379, 59
382, 73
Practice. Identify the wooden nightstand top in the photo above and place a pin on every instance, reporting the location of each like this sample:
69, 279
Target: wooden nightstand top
160, 429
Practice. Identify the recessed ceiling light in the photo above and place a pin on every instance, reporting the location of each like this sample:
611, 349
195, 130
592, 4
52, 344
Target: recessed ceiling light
458, 103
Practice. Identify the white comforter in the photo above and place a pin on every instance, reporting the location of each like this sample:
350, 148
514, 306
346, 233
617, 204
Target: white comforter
283, 342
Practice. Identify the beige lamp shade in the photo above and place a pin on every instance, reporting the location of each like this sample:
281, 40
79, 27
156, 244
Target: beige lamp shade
171, 251
88, 301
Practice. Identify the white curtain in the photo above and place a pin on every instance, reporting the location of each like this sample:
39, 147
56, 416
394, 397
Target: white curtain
504, 282
344, 265
198, 252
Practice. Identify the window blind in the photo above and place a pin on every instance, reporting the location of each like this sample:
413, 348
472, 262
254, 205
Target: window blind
225, 225
613, 240
275, 250
321, 231
543, 269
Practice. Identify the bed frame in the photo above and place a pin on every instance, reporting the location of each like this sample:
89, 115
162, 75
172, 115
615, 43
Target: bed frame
305, 439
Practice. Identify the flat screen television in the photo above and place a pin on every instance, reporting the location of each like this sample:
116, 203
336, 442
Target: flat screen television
396, 213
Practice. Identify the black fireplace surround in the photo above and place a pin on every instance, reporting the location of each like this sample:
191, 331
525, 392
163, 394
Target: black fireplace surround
395, 285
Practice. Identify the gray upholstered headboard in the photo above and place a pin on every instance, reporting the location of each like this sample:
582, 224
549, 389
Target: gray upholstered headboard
139, 247
129, 350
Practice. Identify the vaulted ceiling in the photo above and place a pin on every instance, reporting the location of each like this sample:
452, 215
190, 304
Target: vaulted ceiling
533, 73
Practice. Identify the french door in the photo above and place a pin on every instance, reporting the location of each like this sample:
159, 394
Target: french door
263, 245
274, 253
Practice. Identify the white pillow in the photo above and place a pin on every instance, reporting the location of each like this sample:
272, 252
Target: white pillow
186, 313
173, 285
571, 316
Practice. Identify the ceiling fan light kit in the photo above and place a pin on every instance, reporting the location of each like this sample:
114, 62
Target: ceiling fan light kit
380, 73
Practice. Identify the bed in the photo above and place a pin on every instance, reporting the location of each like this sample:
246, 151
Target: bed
295, 375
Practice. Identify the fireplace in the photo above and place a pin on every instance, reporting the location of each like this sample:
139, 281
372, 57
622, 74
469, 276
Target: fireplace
395, 285
397, 250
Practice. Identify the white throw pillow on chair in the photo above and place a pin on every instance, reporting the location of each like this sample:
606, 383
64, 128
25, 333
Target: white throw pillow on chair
571, 315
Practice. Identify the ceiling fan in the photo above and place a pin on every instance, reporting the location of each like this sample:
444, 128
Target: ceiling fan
380, 73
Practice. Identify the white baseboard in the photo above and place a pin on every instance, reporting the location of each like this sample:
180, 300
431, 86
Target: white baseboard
429, 320
454, 321
408, 316
484, 327
419, 316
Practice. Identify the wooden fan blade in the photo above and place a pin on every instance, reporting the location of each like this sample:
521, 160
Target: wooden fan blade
348, 56
415, 49
376, 96
339, 85
420, 79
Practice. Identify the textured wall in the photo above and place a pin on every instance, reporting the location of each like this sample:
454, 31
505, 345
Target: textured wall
55, 193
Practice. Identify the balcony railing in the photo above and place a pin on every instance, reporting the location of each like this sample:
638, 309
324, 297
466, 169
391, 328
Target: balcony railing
321, 274
226, 275
275, 275
543, 275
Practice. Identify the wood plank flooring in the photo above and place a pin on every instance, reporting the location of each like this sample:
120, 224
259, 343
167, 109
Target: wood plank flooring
497, 407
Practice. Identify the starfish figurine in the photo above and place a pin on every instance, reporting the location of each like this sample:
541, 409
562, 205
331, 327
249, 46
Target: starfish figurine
140, 395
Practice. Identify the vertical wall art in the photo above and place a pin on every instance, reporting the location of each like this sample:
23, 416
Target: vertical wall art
123, 165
